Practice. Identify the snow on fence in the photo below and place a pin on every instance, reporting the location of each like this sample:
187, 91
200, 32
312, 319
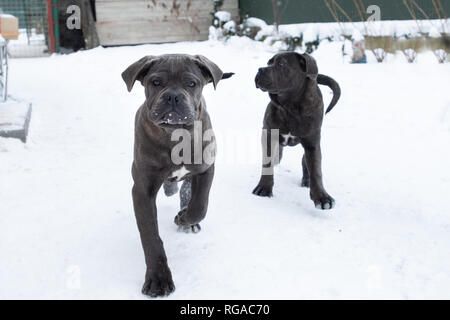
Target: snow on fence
381, 37
33, 27
156, 21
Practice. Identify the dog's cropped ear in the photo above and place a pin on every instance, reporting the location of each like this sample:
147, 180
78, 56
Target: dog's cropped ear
137, 71
211, 71
309, 64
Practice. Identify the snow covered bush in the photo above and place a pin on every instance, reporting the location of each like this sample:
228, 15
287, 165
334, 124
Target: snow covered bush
257, 29
441, 55
222, 23
437, 44
409, 47
223, 27
380, 39
251, 27
221, 17
380, 46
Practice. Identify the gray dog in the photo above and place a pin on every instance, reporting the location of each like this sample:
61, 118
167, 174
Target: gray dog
296, 110
173, 89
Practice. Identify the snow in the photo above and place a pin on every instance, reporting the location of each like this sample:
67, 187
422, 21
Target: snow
310, 34
357, 36
28, 45
13, 115
223, 16
335, 30
230, 26
67, 228
255, 22
434, 33
215, 34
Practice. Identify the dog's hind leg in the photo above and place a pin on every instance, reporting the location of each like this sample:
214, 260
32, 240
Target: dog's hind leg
185, 194
305, 178
313, 159
195, 209
170, 188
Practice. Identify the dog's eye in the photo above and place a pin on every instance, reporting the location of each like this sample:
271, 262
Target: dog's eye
281, 64
191, 84
156, 83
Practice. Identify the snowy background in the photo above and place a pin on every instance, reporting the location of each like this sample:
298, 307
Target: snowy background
67, 228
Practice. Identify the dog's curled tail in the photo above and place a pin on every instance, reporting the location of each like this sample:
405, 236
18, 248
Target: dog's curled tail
330, 82
227, 75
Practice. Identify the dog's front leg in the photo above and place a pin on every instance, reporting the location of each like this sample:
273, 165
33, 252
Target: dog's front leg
190, 217
272, 153
265, 184
158, 278
313, 159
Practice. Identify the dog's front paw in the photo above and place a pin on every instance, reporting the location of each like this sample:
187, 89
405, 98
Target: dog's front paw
324, 201
159, 283
184, 226
263, 190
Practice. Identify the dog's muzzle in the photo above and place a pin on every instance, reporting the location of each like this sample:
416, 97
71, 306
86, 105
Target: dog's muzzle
261, 80
173, 111
257, 78
173, 118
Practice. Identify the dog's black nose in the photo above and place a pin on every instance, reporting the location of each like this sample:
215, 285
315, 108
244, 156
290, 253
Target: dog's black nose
257, 78
173, 98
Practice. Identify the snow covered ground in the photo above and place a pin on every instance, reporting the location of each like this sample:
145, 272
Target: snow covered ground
28, 45
67, 228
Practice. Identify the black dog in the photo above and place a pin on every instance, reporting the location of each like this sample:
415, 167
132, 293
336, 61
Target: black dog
296, 110
173, 88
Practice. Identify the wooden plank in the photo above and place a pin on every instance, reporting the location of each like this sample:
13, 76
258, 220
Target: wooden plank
155, 21
140, 9
126, 33
117, 14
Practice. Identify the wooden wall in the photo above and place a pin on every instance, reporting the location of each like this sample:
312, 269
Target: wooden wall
122, 22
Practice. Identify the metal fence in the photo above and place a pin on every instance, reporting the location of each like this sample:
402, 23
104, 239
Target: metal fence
299, 11
33, 27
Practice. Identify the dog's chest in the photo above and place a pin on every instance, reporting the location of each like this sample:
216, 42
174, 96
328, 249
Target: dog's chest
293, 126
179, 174
288, 139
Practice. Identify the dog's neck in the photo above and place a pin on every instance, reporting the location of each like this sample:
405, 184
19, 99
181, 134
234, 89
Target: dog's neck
294, 99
